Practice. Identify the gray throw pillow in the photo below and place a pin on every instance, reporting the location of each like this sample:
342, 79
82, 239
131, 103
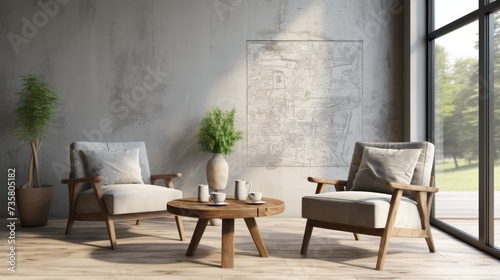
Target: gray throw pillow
379, 166
117, 167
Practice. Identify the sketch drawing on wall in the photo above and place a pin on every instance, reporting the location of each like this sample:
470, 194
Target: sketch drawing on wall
304, 102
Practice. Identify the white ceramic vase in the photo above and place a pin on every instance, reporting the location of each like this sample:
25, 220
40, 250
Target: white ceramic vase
217, 172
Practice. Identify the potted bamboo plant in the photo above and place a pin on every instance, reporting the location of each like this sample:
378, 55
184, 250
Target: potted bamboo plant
35, 110
217, 135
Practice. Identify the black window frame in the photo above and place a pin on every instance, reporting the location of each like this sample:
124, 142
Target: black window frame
485, 240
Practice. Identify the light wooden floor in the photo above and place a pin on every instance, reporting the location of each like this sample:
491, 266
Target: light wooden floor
152, 251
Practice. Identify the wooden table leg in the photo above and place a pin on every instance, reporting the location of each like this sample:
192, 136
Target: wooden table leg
227, 256
257, 239
198, 233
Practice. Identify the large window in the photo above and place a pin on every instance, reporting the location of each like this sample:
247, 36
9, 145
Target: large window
456, 127
496, 90
446, 11
464, 101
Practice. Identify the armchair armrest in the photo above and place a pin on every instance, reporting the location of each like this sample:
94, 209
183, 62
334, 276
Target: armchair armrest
339, 184
167, 178
73, 189
416, 188
326, 181
424, 198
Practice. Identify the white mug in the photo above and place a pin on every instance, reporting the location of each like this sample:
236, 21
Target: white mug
218, 197
203, 195
240, 189
255, 196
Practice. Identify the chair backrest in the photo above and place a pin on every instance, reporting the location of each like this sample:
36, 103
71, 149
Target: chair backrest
423, 169
76, 162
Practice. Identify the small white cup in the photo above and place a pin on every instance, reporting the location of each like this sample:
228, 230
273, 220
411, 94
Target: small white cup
255, 196
218, 197
203, 195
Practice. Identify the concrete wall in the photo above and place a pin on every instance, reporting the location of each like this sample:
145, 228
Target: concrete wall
149, 70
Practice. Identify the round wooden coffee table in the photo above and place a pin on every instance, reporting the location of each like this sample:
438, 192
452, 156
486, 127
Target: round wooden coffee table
190, 207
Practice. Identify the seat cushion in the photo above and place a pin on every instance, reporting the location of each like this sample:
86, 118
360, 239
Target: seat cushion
127, 198
358, 208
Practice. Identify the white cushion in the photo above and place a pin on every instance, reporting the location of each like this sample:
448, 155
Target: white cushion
423, 169
379, 166
366, 209
117, 167
127, 198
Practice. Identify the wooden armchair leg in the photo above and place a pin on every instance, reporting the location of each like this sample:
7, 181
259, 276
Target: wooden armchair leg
424, 202
430, 242
389, 226
356, 235
69, 226
382, 251
111, 232
180, 227
307, 237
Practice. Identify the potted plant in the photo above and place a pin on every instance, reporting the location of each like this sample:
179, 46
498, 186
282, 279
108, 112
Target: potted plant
35, 110
218, 136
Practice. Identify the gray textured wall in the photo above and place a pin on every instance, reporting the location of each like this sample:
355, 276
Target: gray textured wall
149, 70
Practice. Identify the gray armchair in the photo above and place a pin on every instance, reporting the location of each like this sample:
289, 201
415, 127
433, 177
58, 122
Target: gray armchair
112, 181
388, 193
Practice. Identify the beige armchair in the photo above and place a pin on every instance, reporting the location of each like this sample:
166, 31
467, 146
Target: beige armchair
388, 193
112, 181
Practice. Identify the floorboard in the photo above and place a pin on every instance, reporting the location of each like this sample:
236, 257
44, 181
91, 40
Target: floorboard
152, 251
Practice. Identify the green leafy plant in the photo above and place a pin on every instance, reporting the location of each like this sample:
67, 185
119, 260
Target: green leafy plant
35, 110
217, 133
